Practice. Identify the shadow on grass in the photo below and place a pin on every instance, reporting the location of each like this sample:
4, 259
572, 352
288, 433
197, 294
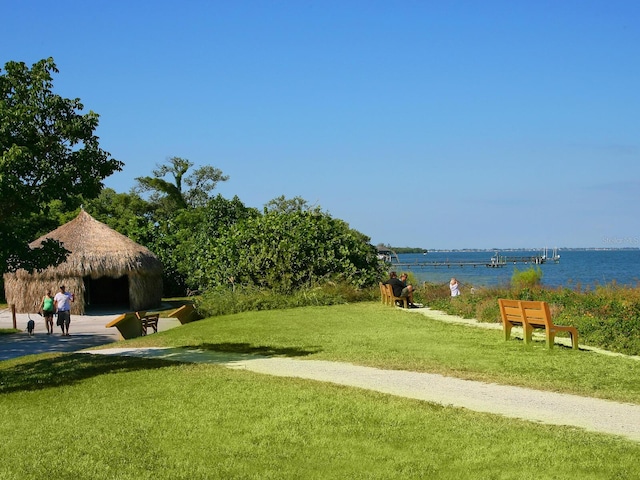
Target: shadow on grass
68, 370
263, 351
213, 353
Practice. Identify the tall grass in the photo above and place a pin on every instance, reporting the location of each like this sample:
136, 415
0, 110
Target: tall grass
224, 300
606, 316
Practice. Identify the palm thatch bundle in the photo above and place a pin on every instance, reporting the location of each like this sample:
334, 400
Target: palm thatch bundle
101, 262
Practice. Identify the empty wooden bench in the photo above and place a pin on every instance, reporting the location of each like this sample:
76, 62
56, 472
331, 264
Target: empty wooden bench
148, 320
128, 324
186, 314
530, 315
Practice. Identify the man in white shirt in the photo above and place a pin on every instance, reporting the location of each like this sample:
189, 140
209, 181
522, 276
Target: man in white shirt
62, 304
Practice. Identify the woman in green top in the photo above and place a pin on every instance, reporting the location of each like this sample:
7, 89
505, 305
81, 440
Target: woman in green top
47, 311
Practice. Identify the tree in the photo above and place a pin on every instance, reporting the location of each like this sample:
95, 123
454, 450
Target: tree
48, 151
172, 194
196, 236
126, 213
286, 251
282, 204
179, 206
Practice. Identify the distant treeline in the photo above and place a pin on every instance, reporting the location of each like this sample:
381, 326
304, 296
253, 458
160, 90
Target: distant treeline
408, 250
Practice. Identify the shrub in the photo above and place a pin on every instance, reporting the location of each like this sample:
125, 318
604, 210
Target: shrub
488, 311
286, 252
530, 278
226, 300
607, 316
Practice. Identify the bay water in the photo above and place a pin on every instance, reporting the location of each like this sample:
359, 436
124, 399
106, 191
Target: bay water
584, 268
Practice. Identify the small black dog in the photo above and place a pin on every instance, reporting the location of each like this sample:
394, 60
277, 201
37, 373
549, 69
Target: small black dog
31, 325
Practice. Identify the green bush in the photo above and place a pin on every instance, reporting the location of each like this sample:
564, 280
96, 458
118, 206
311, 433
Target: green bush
285, 252
530, 278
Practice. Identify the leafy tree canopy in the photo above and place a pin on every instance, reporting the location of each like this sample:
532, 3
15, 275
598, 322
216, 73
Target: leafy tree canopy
173, 194
48, 151
286, 251
126, 213
282, 204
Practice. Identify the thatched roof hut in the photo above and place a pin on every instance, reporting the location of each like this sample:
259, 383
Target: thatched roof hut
104, 269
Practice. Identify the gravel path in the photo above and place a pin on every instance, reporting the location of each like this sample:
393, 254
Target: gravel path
546, 407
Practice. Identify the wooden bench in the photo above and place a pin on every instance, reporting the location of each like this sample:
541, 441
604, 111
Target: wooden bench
148, 321
391, 298
134, 324
530, 315
384, 296
128, 324
185, 314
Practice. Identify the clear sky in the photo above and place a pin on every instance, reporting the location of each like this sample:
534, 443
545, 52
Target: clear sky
434, 124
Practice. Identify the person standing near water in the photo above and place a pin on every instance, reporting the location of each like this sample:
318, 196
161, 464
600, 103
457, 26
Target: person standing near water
454, 286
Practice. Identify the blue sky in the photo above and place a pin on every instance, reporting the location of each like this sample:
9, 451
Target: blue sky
433, 124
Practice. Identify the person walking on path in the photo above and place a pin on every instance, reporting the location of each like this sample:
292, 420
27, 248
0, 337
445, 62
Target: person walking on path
48, 310
62, 303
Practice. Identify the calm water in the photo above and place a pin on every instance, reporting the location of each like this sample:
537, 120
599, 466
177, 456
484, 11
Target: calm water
584, 267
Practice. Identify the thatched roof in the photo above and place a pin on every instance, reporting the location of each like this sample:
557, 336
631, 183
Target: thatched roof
97, 250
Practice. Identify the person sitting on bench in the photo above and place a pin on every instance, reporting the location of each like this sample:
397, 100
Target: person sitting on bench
400, 287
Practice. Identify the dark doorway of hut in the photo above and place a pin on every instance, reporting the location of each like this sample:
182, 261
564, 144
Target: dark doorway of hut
106, 294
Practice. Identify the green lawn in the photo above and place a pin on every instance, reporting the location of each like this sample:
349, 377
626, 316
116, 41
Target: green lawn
93, 417
374, 335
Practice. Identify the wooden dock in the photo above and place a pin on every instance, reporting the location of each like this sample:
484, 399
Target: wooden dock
446, 264
497, 261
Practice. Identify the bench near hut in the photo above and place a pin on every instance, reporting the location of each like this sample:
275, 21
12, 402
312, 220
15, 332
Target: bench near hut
135, 324
185, 314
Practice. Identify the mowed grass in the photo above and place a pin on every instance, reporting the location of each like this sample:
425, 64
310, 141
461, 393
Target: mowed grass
79, 416
375, 335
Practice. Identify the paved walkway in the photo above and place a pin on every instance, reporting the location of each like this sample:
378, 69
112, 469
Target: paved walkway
86, 331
